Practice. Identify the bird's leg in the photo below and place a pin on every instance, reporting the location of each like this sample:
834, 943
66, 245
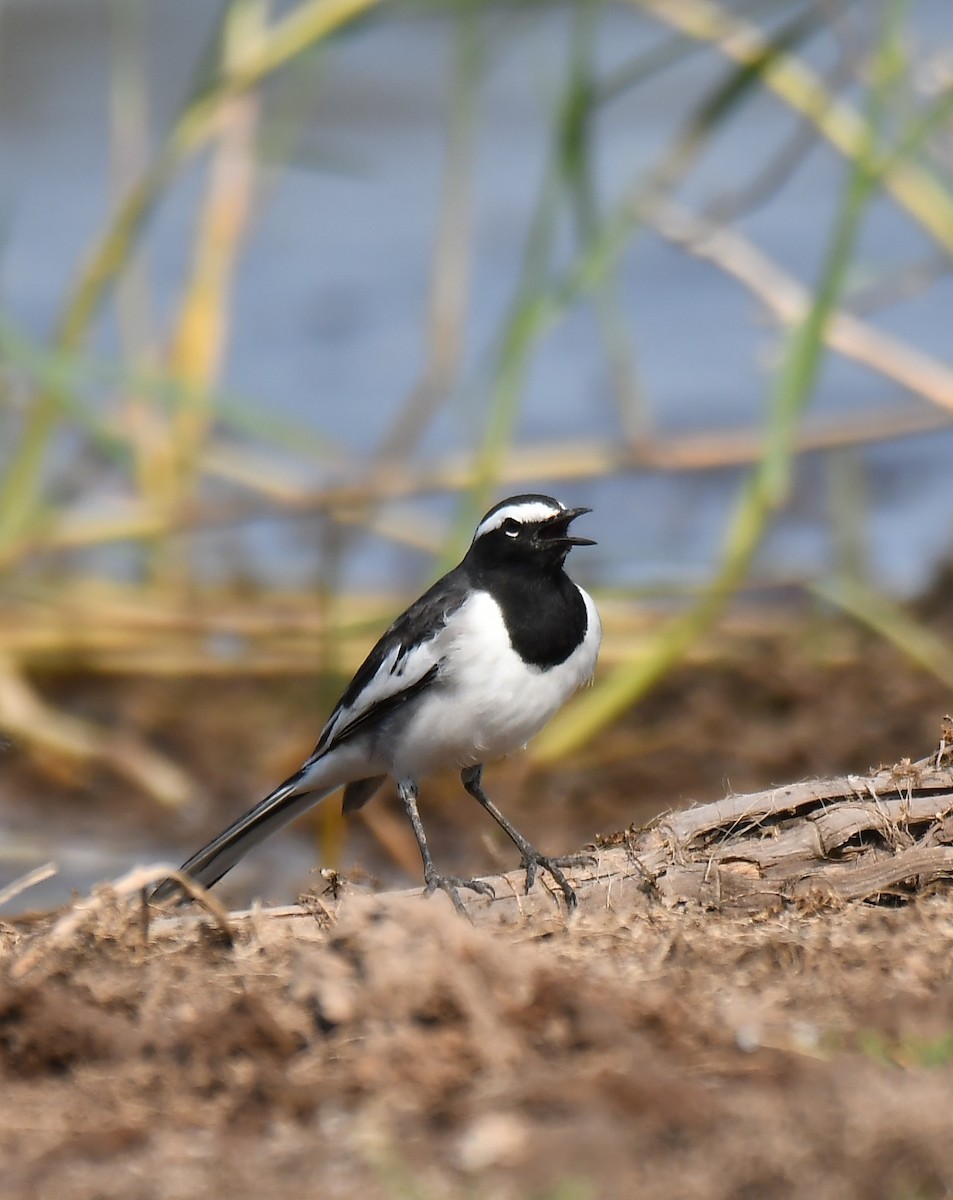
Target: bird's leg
407, 790
532, 859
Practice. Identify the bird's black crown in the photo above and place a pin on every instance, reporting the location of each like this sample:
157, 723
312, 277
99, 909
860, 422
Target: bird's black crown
524, 529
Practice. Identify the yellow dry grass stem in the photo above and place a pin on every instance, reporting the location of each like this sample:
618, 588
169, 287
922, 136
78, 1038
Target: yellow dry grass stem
917, 642
199, 338
269, 481
251, 62
128, 631
789, 300
794, 82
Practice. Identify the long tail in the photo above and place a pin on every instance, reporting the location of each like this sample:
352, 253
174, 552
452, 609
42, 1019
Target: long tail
207, 866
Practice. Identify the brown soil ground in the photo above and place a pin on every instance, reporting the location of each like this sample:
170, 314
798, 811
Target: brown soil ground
402, 1053
397, 1052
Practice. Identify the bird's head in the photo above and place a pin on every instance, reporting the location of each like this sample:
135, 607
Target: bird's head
528, 529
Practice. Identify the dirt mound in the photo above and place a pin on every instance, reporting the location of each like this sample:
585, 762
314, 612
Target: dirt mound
383, 1047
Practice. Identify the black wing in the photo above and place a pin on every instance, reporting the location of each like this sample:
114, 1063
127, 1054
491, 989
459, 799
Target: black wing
404, 662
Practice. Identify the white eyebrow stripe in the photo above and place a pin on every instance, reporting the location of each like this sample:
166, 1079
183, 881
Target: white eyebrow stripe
524, 513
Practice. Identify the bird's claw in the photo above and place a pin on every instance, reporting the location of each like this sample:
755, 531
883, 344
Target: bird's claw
451, 885
533, 862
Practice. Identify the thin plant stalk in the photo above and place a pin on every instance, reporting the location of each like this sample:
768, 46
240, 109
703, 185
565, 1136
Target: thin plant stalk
888, 619
768, 485
542, 301
578, 135
198, 340
285, 39
790, 78
129, 120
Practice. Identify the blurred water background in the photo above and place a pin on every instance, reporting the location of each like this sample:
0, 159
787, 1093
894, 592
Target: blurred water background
282, 317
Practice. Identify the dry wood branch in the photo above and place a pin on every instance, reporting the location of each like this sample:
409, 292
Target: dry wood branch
814, 843
817, 842
848, 838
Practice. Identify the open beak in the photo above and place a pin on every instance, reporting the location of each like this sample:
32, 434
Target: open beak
556, 530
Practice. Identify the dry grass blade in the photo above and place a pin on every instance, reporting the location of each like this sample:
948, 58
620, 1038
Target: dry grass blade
25, 882
798, 85
789, 301
919, 643
273, 485
92, 908
198, 340
284, 40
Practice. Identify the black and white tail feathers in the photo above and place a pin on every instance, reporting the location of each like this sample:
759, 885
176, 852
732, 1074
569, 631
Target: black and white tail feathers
208, 865
282, 806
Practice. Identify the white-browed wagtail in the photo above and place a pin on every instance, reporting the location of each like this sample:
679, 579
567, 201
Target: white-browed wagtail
469, 673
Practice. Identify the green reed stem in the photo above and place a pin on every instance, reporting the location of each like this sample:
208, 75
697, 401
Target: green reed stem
768, 485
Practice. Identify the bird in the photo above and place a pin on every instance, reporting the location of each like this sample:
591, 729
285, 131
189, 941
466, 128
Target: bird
469, 673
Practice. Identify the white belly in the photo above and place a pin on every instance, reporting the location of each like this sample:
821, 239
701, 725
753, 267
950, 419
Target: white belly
487, 702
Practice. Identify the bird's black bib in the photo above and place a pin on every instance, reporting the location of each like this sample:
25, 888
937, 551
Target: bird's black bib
545, 615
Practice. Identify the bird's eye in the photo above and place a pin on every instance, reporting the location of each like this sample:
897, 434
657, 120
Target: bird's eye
511, 528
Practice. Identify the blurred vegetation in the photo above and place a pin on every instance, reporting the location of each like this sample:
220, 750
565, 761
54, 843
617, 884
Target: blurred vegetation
158, 414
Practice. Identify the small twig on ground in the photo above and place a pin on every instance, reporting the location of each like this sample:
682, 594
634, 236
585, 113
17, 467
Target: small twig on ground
72, 921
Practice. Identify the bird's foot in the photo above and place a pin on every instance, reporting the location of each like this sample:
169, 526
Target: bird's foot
533, 861
451, 885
